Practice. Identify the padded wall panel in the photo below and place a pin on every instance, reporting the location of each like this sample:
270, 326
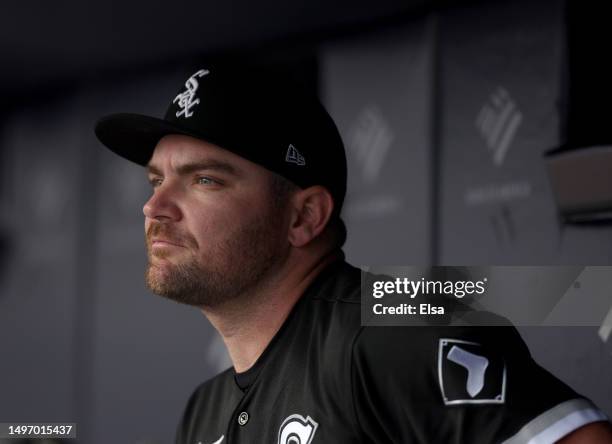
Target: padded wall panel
500, 87
377, 88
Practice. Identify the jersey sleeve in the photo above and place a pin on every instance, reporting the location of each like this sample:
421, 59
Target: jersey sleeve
459, 385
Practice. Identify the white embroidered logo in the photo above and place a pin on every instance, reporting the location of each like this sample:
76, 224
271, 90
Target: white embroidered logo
475, 365
296, 429
470, 373
294, 156
186, 100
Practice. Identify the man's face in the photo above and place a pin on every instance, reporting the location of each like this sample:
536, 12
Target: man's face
213, 231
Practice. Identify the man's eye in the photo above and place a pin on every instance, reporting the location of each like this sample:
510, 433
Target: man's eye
155, 182
205, 181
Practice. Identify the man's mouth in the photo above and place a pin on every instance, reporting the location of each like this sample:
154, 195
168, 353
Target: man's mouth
163, 242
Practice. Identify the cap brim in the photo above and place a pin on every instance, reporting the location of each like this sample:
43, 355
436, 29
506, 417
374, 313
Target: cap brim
134, 136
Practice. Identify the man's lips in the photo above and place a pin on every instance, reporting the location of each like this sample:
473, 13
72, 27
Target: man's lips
161, 242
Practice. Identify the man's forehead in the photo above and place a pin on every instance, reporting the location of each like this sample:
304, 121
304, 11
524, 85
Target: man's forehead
186, 154
179, 146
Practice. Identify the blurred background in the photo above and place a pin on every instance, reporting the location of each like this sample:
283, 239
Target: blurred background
449, 112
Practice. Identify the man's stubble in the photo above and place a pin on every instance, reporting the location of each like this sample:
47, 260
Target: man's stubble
230, 269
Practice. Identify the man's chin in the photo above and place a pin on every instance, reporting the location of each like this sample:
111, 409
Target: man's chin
161, 288
162, 279
157, 278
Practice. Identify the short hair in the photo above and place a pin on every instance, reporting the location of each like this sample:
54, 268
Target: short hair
282, 189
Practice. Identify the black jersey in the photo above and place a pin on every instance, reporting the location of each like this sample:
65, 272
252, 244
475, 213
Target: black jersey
325, 379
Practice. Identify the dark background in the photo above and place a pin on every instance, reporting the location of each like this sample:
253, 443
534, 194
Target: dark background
446, 110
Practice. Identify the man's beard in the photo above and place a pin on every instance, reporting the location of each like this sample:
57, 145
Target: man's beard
234, 266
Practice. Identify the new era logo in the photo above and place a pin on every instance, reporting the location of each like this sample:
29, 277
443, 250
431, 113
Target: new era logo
294, 156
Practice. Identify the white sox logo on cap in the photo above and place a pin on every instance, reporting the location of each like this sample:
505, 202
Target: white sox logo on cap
186, 100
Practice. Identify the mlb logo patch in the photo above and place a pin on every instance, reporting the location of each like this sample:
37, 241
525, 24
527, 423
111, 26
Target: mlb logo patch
470, 373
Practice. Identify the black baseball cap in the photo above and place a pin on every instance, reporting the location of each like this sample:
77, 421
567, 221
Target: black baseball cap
252, 112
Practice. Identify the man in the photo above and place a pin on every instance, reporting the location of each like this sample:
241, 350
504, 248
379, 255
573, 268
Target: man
249, 176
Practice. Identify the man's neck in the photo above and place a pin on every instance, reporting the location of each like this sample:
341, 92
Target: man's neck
247, 325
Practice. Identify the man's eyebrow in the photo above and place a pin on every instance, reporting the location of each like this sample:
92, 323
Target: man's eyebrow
192, 167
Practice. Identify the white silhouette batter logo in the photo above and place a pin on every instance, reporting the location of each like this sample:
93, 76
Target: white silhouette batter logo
186, 100
296, 429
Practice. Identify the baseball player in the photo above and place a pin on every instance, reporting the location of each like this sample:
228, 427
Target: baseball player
249, 175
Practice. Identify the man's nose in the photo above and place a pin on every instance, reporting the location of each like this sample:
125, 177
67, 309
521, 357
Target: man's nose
162, 204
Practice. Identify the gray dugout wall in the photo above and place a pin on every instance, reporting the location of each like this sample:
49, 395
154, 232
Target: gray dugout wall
40, 273
445, 119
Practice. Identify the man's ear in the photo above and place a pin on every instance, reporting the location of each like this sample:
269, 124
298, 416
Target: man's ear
311, 210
